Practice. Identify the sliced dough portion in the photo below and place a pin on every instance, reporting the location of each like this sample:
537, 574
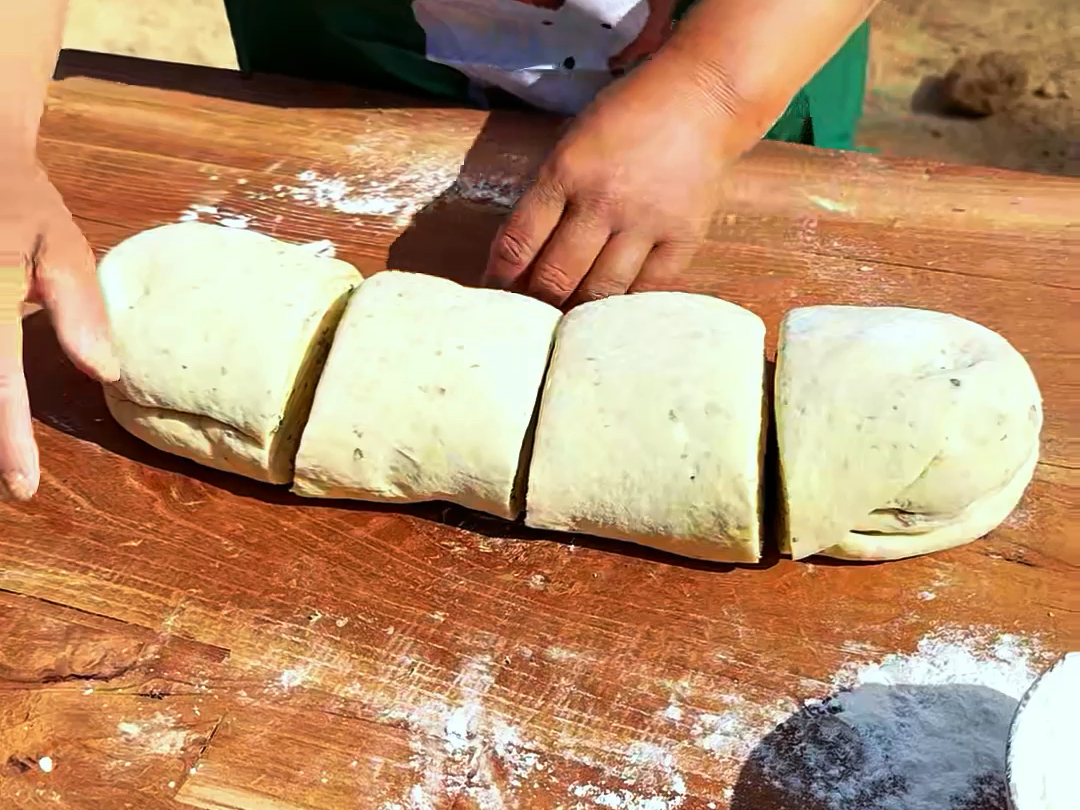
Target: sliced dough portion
428, 394
651, 426
221, 334
901, 431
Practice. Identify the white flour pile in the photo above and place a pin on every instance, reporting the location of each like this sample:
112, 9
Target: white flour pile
212, 214
925, 731
1042, 757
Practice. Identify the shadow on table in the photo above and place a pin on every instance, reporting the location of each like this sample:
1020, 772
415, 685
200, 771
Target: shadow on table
879, 747
450, 237
66, 400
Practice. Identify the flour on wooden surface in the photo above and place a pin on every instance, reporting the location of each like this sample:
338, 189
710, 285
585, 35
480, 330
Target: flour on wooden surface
401, 196
923, 731
198, 212
404, 194
460, 746
157, 735
290, 678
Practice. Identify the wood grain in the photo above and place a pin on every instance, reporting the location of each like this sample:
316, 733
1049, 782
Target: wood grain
237, 646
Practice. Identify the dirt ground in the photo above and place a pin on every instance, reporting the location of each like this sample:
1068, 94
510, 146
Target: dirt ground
914, 44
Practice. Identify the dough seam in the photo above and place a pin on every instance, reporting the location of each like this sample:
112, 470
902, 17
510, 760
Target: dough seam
282, 442
521, 479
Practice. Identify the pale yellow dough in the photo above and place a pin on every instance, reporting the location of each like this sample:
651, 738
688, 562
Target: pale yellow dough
901, 431
221, 334
651, 426
428, 394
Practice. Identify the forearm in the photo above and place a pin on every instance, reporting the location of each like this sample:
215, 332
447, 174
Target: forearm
30, 36
748, 58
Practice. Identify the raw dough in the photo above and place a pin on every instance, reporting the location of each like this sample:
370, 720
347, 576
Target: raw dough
901, 431
651, 426
221, 334
428, 394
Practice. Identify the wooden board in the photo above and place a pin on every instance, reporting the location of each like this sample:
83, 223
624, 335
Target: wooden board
171, 636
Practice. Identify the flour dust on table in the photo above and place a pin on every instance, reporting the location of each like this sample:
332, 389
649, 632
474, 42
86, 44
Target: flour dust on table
925, 730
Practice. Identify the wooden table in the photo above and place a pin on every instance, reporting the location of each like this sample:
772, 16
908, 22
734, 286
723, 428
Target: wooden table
174, 636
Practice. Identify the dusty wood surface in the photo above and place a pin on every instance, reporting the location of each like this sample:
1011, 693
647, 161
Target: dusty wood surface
171, 636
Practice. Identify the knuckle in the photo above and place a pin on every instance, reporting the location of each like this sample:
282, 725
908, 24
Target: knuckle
554, 277
552, 283
596, 292
511, 248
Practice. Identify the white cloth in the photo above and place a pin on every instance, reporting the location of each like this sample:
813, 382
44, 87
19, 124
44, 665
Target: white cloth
555, 59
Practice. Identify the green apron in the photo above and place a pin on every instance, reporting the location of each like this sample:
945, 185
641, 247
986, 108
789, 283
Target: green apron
378, 44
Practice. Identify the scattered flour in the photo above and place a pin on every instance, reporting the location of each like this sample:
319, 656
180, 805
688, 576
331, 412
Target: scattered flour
405, 194
212, 214
291, 678
401, 197
924, 731
158, 735
919, 731
459, 746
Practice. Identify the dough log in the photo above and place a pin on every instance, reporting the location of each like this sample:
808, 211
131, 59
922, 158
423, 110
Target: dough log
221, 334
651, 426
901, 431
429, 393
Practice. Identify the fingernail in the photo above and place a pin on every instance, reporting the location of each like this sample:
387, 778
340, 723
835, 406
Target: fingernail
104, 360
18, 486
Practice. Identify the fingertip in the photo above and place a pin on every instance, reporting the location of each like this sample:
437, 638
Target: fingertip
102, 361
19, 486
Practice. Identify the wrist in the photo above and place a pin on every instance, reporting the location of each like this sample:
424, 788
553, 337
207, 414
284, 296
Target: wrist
20, 119
738, 119
18, 141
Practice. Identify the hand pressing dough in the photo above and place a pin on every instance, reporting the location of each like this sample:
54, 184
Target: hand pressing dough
221, 334
651, 426
901, 431
428, 394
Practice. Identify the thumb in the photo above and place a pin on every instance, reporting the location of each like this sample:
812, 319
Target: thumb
19, 471
66, 283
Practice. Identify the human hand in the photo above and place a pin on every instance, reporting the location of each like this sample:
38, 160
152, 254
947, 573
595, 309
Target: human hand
43, 259
628, 192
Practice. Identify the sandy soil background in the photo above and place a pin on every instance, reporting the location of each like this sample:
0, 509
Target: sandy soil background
915, 43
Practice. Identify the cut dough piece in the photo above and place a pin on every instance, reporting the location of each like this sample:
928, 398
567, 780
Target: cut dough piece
901, 431
428, 394
221, 334
651, 426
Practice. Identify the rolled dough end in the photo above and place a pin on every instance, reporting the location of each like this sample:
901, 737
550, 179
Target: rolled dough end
224, 447
976, 521
901, 431
221, 335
